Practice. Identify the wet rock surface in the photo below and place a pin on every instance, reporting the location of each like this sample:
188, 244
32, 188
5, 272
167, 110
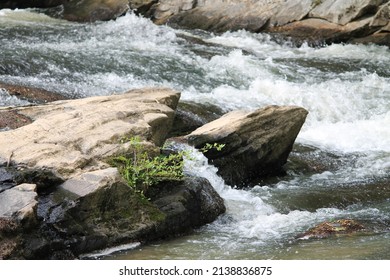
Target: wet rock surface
31, 94
187, 205
332, 228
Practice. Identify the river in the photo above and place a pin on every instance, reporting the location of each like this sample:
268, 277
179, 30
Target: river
345, 88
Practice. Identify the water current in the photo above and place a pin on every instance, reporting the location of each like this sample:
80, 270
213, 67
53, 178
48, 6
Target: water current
345, 88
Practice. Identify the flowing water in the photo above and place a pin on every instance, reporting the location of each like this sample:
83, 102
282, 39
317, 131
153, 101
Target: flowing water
345, 88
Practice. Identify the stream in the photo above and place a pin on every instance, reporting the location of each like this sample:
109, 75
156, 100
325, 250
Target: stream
339, 167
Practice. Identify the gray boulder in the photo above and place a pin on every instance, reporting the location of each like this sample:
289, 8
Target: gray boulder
18, 214
188, 204
257, 143
94, 10
19, 203
98, 209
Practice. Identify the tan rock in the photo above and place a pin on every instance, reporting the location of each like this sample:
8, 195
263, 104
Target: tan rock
343, 11
382, 17
68, 136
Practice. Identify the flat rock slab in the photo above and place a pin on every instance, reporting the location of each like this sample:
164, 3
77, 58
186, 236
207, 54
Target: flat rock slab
69, 136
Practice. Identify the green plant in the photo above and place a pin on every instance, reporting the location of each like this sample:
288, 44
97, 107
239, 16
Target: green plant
141, 170
208, 147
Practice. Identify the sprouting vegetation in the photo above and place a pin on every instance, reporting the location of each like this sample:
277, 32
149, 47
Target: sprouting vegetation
141, 170
215, 146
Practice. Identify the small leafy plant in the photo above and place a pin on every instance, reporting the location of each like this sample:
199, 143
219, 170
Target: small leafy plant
208, 147
141, 170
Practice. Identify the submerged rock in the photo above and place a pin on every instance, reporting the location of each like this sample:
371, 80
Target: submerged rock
256, 143
327, 229
11, 119
31, 94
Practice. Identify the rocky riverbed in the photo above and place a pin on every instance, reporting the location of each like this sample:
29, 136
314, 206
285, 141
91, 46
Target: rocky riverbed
68, 201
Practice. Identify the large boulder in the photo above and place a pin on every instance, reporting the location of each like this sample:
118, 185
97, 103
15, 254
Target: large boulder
83, 203
219, 15
256, 143
96, 210
74, 136
94, 10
